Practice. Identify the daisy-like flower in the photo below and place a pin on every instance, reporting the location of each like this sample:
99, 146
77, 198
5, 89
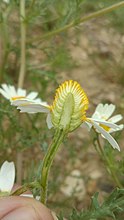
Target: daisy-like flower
10, 93
104, 112
7, 177
68, 110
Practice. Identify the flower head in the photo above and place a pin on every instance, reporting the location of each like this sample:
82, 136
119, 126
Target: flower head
10, 93
69, 107
7, 177
68, 111
104, 112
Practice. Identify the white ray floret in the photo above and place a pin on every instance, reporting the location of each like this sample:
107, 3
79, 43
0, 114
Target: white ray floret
10, 93
7, 176
104, 113
106, 135
31, 107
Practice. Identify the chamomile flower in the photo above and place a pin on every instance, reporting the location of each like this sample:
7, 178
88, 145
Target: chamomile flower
7, 177
104, 112
68, 110
10, 93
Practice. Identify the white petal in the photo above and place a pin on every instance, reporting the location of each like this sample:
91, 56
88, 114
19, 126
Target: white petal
5, 91
119, 129
107, 123
5, 94
49, 122
34, 108
7, 176
99, 109
26, 109
21, 102
116, 118
108, 110
103, 111
5, 88
28, 102
110, 139
32, 95
21, 92
12, 91
9, 91
39, 101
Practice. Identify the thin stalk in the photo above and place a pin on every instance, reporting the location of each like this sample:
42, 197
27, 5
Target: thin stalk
4, 46
47, 162
79, 21
23, 44
25, 187
108, 163
21, 76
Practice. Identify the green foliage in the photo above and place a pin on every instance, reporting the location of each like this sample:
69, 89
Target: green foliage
111, 208
46, 58
117, 165
17, 135
116, 18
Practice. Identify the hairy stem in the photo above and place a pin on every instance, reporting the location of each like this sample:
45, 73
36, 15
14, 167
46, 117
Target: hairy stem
47, 162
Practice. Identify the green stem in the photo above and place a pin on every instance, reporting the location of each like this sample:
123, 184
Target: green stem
47, 162
108, 163
25, 187
21, 76
79, 21
23, 44
5, 45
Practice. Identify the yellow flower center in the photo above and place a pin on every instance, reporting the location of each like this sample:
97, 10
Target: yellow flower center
69, 107
105, 127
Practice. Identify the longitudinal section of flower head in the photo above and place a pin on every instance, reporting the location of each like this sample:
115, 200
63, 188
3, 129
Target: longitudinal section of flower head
69, 107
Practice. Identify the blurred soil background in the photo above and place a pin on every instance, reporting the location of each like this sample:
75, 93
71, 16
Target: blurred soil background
92, 54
